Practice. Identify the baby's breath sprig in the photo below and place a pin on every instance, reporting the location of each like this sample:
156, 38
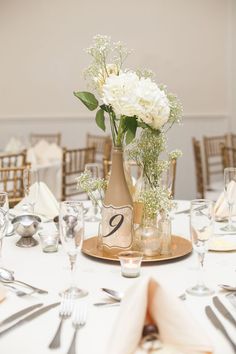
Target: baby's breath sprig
95, 187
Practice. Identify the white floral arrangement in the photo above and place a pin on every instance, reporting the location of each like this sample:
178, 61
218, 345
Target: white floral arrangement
129, 99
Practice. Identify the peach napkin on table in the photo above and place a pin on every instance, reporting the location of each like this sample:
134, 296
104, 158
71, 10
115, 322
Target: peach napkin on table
221, 205
46, 204
179, 333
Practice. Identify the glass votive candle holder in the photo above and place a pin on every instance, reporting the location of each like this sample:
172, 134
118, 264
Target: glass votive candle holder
130, 262
49, 241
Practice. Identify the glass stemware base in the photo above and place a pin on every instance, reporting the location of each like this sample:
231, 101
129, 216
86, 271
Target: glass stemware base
74, 293
200, 290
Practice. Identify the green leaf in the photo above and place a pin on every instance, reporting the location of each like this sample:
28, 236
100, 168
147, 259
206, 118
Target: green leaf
131, 127
88, 99
100, 119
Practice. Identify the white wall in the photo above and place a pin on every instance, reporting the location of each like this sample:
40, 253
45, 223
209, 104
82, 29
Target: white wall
185, 42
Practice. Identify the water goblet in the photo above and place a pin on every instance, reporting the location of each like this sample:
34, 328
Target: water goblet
230, 195
71, 224
4, 218
93, 216
201, 230
31, 188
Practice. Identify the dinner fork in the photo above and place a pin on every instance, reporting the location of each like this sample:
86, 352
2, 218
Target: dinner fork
65, 312
79, 320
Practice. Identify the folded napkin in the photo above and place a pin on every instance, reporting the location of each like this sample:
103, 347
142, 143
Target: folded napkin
43, 153
221, 205
14, 145
45, 205
147, 301
2, 293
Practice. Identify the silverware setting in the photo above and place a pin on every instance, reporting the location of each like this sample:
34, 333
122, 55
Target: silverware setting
7, 276
29, 317
218, 325
223, 310
19, 314
79, 321
65, 311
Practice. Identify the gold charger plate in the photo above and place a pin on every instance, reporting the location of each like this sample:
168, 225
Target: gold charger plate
180, 247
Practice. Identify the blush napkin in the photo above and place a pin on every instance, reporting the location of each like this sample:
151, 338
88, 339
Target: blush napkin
221, 205
179, 332
46, 204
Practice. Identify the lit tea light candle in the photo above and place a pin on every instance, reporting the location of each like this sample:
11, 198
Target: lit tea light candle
130, 263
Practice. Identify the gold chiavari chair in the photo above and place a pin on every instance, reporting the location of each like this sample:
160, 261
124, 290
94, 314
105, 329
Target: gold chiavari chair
13, 160
11, 181
102, 145
50, 138
228, 155
198, 168
73, 163
106, 168
233, 140
212, 151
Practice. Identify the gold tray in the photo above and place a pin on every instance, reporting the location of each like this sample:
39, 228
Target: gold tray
180, 247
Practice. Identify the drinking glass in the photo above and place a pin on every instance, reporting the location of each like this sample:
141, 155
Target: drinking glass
201, 230
230, 195
93, 216
71, 224
4, 217
31, 188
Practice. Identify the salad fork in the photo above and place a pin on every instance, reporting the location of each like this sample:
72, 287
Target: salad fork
79, 321
65, 312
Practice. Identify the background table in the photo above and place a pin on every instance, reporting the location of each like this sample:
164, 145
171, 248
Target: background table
51, 272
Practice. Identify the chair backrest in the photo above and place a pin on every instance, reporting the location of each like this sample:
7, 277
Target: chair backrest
73, 163
213, 159
102, 145
198, 168
173, 173
11, 181
50, 138
13, 160
233, 140
228, 155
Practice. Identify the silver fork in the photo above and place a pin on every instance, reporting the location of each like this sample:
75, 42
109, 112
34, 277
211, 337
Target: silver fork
65, 312
79, 320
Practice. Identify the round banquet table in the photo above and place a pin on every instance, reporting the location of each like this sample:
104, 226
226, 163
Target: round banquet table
50, 271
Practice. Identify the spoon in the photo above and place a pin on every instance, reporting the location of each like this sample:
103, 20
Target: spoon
8, 277
116, 295
227, 287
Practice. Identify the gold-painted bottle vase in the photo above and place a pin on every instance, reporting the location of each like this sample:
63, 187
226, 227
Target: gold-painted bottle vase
117, 212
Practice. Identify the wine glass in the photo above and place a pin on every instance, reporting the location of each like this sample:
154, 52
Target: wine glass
93, 216
201, 230
31, 188
4, 217
71, 224
230, 195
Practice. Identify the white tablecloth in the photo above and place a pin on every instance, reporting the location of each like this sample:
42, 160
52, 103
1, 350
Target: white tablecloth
51, 272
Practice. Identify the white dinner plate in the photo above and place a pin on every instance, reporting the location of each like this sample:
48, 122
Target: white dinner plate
223, 243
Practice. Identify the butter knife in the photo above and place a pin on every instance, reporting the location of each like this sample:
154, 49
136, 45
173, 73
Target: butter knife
20, 313
223, 310
216, 322
30, 317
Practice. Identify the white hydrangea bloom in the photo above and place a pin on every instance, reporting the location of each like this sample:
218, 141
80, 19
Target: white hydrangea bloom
119, 91
154, 107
